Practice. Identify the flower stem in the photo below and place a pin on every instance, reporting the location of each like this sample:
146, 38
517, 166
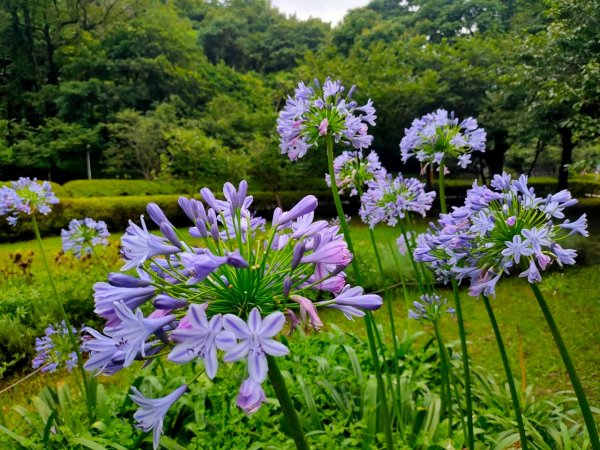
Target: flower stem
442, 188
564, 353
369, 320
445, 366
461, 328
74, 341
102, 263
289, 412
509, 376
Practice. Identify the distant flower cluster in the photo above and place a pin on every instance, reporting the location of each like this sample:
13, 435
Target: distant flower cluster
353, 171
440, 135
228, 285
315, 112
403, 246
26, 196
83, 235
430, 308
391, 199
498, 231
55, 350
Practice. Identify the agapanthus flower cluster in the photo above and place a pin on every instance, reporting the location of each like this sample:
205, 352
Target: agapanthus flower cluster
315, 112
83, 235
430, 308
403, 246
439, 135
499, 231
226, 285
353, 171
55, 349
25, 196
390, 199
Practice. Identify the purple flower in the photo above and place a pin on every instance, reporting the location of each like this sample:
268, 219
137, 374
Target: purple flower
314, 113
151, 412
402, 244
201, 265
255, 341
354, 296
139, 245
251, 396
516, 248
83, 235
106, 295
430, 308
353, 171
391, 199
498, 232
26, 196
133, 330
200, 340
106, 355
307, 308
54, 349
579, 226
203, 290
305, 206
437, 135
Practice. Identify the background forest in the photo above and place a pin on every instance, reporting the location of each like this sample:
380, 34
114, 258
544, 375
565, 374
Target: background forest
190, 89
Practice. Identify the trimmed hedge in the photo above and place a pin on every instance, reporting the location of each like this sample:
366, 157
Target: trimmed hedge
117, 211
116, 188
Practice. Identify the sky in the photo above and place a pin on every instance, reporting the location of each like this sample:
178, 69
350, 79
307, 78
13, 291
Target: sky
327, 10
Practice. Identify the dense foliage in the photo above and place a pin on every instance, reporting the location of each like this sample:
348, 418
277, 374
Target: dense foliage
190, 89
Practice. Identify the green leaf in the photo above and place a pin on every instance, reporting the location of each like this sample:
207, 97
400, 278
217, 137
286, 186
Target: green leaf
23, 441
87, 443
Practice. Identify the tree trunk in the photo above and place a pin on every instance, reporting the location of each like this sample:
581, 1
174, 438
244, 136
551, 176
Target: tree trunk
495, 157
566, 139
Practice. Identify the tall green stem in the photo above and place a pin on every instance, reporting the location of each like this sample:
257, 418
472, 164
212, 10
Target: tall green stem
369, 321
442, 188
387, 300
564, 353
509, 376
390, 311
461, 329
72, 337
445, 375
102, 263
289, 412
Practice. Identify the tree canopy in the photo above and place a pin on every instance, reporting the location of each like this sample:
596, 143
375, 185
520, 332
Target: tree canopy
191, 88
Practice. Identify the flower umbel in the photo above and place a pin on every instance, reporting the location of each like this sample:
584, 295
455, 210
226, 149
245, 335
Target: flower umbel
498, 231
26, 196
439, 135
225, 286
353, 171
430, 308
54, 349
83, 235
315, 112
390, 199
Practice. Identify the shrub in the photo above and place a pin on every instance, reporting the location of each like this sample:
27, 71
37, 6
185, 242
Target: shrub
117, 211
116, 188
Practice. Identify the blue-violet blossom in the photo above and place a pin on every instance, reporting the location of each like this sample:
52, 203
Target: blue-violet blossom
439, 135
390, 199
26, 196
355, 172
227, 285
83, 235
315, 112
498, 231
